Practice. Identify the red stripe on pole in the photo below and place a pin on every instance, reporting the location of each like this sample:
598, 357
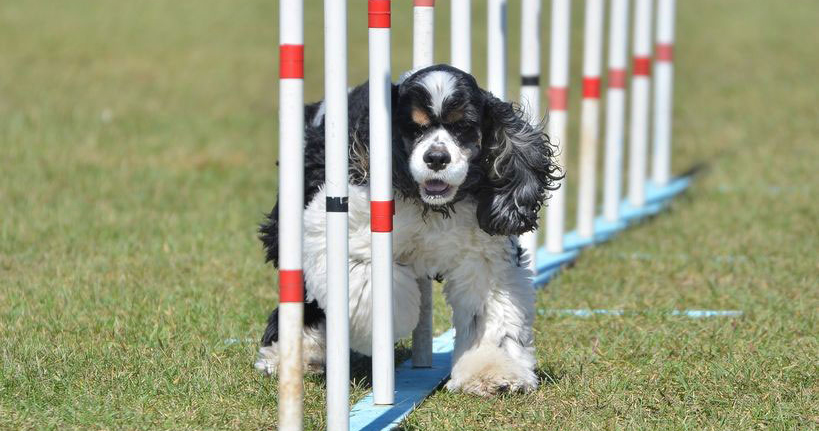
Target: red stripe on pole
665, 52
428, 3
381, 213
378, 12
591, 87
291, 62
558, 98
291, 285
617, 78
642, 66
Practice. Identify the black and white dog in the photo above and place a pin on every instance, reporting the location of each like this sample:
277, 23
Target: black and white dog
470, 174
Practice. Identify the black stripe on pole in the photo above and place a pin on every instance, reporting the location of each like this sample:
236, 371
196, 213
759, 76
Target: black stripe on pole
530, 80
337, 205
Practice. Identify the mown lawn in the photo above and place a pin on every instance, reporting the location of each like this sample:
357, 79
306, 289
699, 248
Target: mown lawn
137, 151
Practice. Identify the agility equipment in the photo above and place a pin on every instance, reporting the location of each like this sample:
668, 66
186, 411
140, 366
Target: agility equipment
336, 180
640, 87
423, 55
615, 111
558, 116
589, 116
530, 87
397, 391
382, 205
291, 198
663, 94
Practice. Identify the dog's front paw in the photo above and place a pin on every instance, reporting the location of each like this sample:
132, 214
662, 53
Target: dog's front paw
487, 372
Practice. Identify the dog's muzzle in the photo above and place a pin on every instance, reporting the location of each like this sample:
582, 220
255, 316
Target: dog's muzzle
437, 157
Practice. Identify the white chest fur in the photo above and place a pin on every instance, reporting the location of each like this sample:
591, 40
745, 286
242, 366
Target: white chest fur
430, 245
488, 287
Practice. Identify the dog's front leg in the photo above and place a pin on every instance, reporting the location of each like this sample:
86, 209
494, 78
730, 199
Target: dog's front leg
493, 310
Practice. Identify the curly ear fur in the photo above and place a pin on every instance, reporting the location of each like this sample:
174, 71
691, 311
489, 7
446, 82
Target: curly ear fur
519, 168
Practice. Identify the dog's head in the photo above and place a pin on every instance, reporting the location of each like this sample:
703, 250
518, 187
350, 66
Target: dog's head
461, 142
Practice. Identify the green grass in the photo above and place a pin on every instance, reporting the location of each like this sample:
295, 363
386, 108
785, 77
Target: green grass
137, 151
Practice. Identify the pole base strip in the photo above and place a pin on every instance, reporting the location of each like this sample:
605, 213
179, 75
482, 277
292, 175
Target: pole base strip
527, 81
291, 285
381, 213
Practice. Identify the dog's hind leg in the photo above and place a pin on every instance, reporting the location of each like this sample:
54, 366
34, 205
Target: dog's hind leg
313, 341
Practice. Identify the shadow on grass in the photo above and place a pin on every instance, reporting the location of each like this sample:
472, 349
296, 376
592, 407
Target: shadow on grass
361, 368
548, 375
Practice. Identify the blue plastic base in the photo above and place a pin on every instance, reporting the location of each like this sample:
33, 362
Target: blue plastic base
657, 198
412, 385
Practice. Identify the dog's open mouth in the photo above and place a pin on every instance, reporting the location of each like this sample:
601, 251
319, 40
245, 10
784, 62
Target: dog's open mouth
437, 192
434, 188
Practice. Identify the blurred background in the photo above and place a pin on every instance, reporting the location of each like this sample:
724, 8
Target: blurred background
138, 143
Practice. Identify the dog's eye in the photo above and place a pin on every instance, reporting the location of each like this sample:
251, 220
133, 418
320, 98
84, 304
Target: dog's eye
454, 116
421, 129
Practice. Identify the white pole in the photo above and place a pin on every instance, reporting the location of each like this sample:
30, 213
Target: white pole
335, 149
615, 110
558, 116
640, 89
291, 202
423, 33
460, 34
663, 92
423, 44
496, 48
530, 88
382, 205
590, 116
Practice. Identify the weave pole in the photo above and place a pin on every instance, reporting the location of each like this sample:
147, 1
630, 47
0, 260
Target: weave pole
530, 88
291, 204
413, 384
423, 33
663, 93
496, 48
423, 55
382, 205
461, 34
615, 110
590, 116
558, 117
640, 89
336, 178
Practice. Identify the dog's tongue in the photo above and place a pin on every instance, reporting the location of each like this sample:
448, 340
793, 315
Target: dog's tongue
435, 185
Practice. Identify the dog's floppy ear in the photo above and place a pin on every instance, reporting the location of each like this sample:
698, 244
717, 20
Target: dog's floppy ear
518, 165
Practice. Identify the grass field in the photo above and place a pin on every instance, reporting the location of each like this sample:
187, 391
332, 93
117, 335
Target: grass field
137, 151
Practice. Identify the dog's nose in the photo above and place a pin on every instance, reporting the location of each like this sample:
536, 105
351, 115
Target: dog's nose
437, 158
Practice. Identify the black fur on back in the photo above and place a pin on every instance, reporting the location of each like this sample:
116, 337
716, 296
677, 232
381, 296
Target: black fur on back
358, 122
